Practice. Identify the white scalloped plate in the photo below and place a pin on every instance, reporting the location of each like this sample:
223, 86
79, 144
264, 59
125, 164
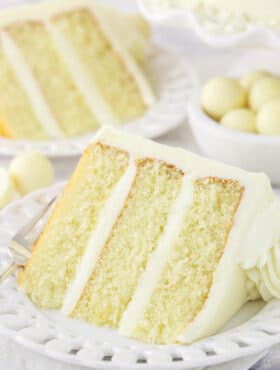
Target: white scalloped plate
220, 31
52, 335
173, 79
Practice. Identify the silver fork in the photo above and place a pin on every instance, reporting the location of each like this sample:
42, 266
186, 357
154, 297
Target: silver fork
21, 244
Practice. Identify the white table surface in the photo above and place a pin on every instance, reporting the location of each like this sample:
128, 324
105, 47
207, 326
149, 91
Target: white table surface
12, 356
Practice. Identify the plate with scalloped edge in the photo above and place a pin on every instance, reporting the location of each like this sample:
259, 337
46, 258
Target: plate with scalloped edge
216, 28
173, 79
255, 328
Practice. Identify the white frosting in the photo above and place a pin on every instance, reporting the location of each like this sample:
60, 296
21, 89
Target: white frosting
158, 260
270, 275
98, 238
182, 159
260, 260
264, 234
95, 102
31, 87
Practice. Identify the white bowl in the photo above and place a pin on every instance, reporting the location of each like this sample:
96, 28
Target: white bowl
215, 30
252, 152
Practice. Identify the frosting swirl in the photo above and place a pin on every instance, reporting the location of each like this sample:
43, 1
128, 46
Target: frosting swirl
261, 260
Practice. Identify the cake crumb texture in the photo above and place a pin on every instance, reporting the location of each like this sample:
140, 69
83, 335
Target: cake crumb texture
15, 107
133, 239
63, 97
103, 64
63, 242
186, 280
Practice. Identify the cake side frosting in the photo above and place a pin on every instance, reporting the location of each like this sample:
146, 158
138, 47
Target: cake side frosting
261, 258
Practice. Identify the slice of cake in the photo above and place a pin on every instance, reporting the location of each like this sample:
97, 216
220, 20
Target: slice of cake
148, 239
66, 70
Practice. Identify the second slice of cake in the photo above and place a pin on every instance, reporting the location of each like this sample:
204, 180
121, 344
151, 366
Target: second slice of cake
66, 70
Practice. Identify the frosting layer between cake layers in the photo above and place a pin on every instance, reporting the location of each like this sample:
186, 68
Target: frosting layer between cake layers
98, 238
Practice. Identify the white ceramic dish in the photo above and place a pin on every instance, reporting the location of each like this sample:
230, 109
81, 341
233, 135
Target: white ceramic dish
254, 329
218, 30
258, 153
173, 79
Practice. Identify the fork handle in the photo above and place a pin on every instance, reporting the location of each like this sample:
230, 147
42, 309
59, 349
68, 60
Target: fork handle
8, 271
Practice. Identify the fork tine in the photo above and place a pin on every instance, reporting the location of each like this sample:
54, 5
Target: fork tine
19, 249
8, 271
30, 225
17, 245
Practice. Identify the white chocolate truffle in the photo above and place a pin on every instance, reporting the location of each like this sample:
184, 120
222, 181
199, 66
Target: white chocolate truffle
240, 120
248, 80
31, 171
6, 188
264, 90
221, 95
268, 119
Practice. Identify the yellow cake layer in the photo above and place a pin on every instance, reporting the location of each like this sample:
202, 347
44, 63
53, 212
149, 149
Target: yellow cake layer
63, 242
133, 238
103, 64
64, 99
186, 280
17, 119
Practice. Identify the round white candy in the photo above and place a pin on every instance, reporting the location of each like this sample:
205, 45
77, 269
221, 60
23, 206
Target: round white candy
31, 171
221, 95
268, 119
264, 90
6, 188
241, 120
250, 78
